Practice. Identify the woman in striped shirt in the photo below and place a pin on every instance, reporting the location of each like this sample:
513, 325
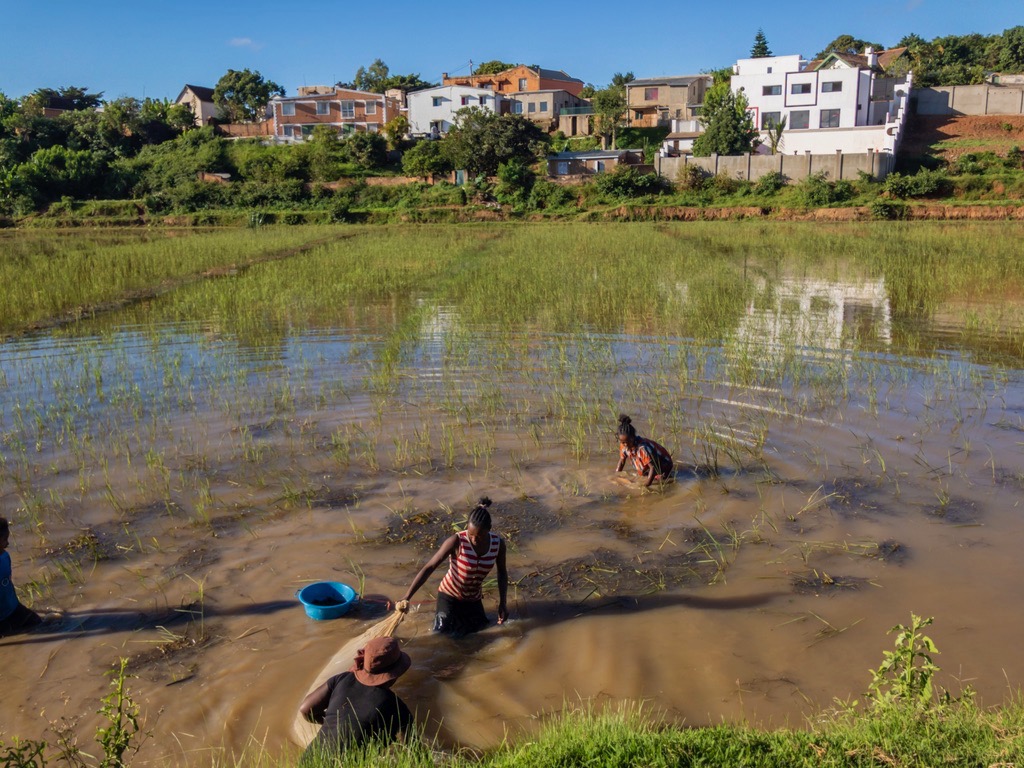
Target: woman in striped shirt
651, 460
471, 554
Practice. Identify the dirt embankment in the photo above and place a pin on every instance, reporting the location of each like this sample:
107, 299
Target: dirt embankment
947, 138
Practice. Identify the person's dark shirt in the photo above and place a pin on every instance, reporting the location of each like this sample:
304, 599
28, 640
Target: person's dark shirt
357, 713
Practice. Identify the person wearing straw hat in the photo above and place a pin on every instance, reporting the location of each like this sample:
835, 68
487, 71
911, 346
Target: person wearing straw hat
471, 554
651, 460
359, 705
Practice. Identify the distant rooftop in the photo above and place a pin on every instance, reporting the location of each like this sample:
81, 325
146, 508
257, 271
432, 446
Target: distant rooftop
678, 80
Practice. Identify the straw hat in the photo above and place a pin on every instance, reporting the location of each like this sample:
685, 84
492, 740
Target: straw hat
381, 661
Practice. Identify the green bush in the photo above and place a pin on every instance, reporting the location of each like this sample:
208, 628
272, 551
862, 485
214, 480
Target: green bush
816, 191
692, 177
924, 183
770, 183
888, 209
548, 195
627, 181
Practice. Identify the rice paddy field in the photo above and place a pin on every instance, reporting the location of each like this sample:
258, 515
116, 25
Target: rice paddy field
196, 424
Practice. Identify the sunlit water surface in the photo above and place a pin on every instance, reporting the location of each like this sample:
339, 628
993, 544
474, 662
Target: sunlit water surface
173, 484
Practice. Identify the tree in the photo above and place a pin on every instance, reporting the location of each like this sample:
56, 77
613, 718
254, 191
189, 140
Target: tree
395, 130
610, 105
847, 44
372, 78
425, 158
480, 141
407, 83
366, 149
728, 128
760, 49
1011, 50
243, 95
774, 132
70, 98
492, 67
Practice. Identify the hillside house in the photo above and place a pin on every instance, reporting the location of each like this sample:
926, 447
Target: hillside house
431, 112
576, 164
342, 109
680, 140
543, 107
659, 100
844, 102
200, 99
518, 79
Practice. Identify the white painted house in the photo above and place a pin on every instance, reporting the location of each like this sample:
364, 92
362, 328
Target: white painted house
844, 102
431, 112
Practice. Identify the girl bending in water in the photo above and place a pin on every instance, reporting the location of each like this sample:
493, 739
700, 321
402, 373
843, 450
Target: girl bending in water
651, 460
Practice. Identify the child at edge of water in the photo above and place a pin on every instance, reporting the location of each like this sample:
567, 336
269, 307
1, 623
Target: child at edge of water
14, 617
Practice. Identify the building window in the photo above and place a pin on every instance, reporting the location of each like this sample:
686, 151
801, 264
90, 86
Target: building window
798, 88
769, 119
522, 83
800, 118
373, 127
517, 108
465, 101
650, 94
771, 90
348, 109
531, 107
323, 108
371, 107
832, 87
600, 166
543, 106
563, 168
769, 70
436, 101
830, 118
288, 108
483, 101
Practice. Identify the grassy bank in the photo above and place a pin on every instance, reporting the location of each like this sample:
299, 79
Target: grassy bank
963, 735
903, 720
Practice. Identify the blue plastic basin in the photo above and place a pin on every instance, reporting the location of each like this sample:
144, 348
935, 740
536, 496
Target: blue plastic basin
327, 599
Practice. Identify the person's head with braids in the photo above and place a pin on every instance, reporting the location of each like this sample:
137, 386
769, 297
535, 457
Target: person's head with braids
626, 431
479, 522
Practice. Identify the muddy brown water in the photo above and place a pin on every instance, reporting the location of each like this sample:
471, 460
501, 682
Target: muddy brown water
170, 512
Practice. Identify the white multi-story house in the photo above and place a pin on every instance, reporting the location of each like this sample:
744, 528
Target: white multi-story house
431, 112
844, 102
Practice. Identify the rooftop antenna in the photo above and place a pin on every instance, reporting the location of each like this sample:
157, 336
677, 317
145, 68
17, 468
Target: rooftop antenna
471, 67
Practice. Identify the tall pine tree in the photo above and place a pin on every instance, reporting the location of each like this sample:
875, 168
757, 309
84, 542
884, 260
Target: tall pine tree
760, 49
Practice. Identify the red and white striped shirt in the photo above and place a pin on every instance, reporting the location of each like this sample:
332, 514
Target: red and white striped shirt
467, 569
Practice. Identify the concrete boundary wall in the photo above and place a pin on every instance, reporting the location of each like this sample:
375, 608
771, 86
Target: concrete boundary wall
968, 100
837, 165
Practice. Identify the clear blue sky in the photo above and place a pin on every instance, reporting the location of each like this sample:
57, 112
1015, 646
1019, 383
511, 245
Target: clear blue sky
146, 48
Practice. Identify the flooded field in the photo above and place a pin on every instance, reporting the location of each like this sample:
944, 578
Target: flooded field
845, 405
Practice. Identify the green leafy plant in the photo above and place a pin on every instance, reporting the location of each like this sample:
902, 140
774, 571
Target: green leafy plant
22, 753
122, 715
905, 675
